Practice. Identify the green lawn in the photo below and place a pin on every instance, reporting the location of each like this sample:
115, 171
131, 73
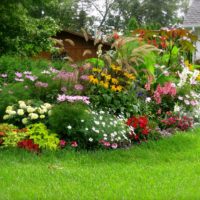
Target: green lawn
166, 169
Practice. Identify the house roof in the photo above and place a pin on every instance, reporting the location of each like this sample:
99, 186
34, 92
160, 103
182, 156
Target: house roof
192, 18
81, 35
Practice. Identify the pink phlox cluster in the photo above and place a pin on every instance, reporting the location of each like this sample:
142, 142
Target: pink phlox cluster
41, 84
167, 89
63, 97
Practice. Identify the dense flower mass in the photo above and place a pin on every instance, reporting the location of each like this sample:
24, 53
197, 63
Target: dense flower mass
144, 88
167, 89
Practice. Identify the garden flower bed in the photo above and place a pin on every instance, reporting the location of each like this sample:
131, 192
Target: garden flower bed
145, 88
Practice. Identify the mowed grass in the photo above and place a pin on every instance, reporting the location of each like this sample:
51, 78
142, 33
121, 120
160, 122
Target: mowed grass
165, 169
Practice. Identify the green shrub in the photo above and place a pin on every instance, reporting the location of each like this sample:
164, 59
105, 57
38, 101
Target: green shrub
68, 118
42, 136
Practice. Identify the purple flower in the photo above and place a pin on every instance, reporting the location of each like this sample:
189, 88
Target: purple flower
64, 97
84, 77
78, 87
32, 78
41, 84
65, 76
18, 74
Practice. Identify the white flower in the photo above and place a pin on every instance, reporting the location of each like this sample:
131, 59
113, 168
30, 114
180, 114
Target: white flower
5, 117
82, 120
103, 123
91, 139
105, 135
20, 112
187, 96
30, 109
180, 98
8, 109
21, 102
148, 99
69, 127
24, 120
12, 112
33, 116
22, 106
48, 105
42, 116
86, 129
186, 102
96, 122
177, 108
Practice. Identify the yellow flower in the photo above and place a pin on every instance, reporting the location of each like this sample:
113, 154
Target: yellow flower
116, 88
198, 77
115, 81
108, 77
116, 68
93, 79
113, 88
119, 88
104, 84
190, 66
129, 76
96, 70
103, 74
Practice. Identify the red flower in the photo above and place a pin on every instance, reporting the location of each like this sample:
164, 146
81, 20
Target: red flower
115, 36
145, 131
143, 121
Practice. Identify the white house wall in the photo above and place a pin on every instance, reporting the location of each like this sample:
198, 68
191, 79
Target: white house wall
197, 55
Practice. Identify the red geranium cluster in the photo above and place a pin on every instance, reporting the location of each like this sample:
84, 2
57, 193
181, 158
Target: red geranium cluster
140, 125
183, 123
167, 89
29, 145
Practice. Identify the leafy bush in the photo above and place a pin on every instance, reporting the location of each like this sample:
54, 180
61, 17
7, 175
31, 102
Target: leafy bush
11, 138
68, 119
42, 136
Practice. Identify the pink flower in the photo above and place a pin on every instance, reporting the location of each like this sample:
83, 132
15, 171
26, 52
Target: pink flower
78, 87
114, 145
62, 143
193, 103
4, 75
74, 144
106, 144
84, 77
18, 74
41, 84
19, 79
30, 77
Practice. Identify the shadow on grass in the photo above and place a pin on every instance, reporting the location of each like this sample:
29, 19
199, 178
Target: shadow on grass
177, 147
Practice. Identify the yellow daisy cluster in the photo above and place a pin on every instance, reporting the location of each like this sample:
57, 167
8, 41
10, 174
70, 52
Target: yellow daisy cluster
115, 78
